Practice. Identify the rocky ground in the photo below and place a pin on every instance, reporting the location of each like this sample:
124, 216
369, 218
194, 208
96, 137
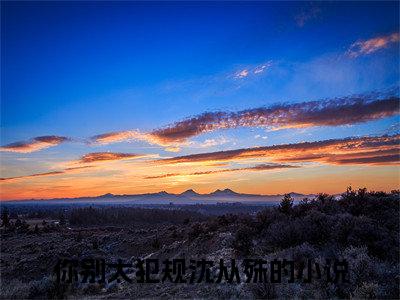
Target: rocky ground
28, 258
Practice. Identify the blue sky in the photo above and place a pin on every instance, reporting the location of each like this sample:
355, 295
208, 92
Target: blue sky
81, 69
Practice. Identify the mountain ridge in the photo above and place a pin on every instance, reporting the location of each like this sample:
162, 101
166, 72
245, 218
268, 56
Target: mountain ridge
186, 197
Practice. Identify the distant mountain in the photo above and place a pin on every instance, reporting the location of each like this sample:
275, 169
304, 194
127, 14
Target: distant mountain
187, 197
162, 193
225, 192
190, 193
293, 194
106, 195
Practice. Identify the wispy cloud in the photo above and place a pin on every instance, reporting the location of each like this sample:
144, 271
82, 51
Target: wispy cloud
262, 68
336, 151
118, 136
365, 47
334, 112
212, 142
260, 167
371, 160
253, 70
52, 173
88, 160
331, 112
36, 144
258, 136
134, 135
108, 156
241, 74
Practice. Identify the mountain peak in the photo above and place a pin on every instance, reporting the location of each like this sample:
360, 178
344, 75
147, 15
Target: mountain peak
294, 194
106, 195
162, 193
225, 192
189, 192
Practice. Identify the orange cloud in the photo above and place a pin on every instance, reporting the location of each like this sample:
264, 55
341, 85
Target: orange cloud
89, 158
371, 160
118, 136
336, 151
36, 144
365, 47
260, 167
130, 135
107, 156
67, 170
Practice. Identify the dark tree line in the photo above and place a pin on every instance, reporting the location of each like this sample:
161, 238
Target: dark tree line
129, 215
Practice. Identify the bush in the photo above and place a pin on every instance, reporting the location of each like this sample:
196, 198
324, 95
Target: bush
286, 204
243, 242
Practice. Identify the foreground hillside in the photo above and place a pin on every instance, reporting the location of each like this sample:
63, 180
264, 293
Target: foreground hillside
361, 228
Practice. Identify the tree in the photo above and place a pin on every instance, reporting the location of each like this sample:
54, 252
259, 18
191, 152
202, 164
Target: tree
18, 223
95, 244
79, 237
36, 230
63, 220
156, 243
243, 242
286, 204
5, 217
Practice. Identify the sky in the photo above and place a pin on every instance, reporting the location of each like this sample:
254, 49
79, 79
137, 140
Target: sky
141, 97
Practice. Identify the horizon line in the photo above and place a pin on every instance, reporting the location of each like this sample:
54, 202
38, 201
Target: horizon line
182, 194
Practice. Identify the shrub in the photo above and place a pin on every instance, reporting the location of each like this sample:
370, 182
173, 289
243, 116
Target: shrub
286, 204
243, 242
